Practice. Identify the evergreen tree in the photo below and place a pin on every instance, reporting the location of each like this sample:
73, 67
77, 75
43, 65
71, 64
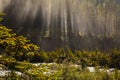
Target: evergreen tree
13, 45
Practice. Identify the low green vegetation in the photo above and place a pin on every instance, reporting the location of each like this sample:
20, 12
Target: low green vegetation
55, 71
85, 58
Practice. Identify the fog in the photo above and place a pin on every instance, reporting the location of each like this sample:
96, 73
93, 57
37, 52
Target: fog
77, 24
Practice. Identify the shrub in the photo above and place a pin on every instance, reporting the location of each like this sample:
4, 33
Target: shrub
115, 58
15, 46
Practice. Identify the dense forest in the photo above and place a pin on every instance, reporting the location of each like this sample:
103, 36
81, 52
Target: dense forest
78, 24
19, 54
59, 39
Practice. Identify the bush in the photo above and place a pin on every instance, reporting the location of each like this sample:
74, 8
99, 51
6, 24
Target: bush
8, 62
115, 58
15, 46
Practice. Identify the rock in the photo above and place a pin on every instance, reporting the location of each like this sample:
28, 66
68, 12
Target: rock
91, 69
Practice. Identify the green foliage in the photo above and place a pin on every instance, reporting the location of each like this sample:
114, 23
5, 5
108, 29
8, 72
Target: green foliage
115, 58
70, 72
45, 72
85, 58
43, 57
23, 66
93, 58
16, 46
13, 76
1, 15
5, 33
54, 71
8, 62
76, 73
